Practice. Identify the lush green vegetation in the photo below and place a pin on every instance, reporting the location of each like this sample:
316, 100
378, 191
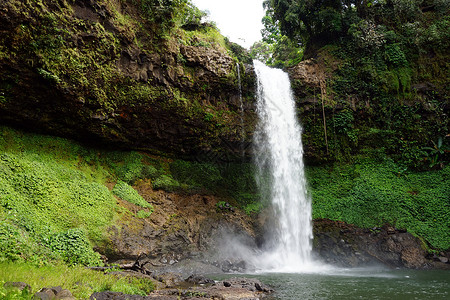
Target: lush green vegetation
80, 281
54, 207
53, 200
384, 96
383, 76
126, 192
370, 193
387, 148
46, 193
54, 203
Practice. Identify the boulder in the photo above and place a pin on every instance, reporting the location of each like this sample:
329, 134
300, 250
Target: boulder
56, 292
346, 245
199, 279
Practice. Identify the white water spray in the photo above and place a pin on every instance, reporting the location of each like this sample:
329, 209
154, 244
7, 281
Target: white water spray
279, 161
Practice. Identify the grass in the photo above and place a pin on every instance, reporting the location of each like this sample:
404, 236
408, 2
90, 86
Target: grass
80, 281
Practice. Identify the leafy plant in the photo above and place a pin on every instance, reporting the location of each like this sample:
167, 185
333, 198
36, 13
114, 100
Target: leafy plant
435, 153
142, 214
370, 193
127, 193
74, 248
223, 205
167, 183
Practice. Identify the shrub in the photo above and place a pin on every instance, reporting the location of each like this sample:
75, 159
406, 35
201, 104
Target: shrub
74, 248
127, 193
371, 193
166, 183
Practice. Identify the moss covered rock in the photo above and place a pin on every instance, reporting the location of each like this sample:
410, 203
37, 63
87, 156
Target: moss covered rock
103, 70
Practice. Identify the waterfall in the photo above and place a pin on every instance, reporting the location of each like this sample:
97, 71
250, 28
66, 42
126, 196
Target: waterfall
280, 172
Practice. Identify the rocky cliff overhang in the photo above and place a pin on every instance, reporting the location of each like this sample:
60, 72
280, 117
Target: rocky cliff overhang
101, 72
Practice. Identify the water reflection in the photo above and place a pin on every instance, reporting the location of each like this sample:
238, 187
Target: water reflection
370, 283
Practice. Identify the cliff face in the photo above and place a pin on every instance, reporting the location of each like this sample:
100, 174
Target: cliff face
344, 115
100, 70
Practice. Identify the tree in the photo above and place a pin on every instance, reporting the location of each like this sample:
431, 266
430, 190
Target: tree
275, 49
306, 20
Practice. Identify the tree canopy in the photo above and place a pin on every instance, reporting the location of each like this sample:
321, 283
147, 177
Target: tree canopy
322, 21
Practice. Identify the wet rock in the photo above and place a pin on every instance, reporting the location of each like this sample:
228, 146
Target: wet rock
169, 279
232, 266
232, 288
349, 246
443, 259
250, 284
199, 279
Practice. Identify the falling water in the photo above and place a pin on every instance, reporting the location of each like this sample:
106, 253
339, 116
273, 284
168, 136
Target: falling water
279, 160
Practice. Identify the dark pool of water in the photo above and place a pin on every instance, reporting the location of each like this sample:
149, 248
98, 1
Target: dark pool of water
371, 283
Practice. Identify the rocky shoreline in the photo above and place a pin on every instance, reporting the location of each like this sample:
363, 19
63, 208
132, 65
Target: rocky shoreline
175, 288
335, 243
190, 234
